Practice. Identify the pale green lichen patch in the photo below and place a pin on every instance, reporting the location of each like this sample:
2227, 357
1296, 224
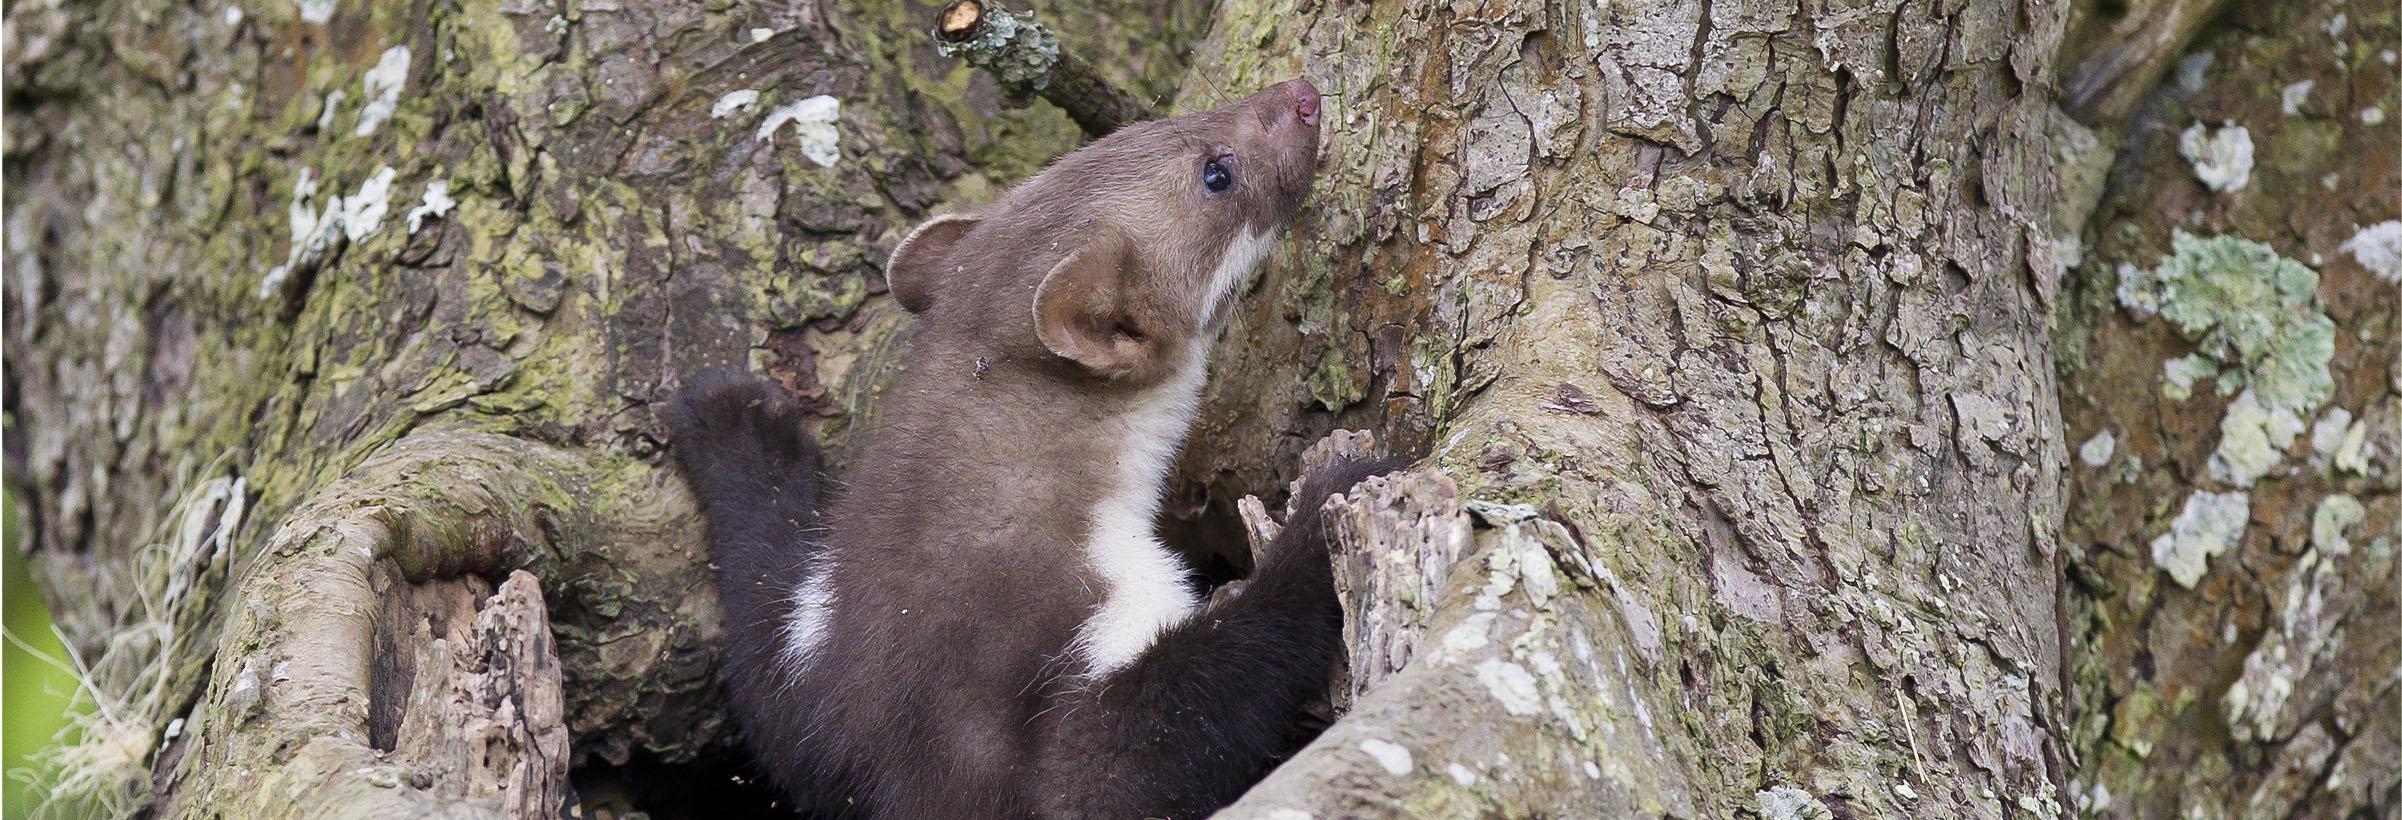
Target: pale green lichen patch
1017, 50
2327, 524
1512, 685
2041, 803
1332, 382
436, 203
1394, 757
732, 102
2257, 315
815, 121
381, 90
2379, 248
2328, 434
2291, 98
363, 213
2252, 439
2353, 453
2180, 374
316, 11
317, 233
2097, 450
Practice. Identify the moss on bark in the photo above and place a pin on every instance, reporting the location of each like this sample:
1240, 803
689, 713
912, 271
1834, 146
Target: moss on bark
1731, 327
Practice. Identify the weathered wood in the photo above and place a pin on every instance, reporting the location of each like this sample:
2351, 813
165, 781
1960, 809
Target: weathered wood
368, 670
485, 713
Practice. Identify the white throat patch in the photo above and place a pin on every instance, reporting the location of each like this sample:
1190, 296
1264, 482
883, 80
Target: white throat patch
1241, 256
1148, 589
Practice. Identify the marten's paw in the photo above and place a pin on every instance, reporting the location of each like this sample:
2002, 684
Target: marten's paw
1300, 549
732, 423
1340, 477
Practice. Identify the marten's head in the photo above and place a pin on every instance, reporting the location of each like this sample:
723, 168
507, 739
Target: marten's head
1122, 257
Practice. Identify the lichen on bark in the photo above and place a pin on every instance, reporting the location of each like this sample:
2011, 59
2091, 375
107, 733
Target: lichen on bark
1745, 343
605, 234
2262, 686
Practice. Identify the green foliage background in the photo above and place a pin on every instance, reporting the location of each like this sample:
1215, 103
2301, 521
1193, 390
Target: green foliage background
38, 692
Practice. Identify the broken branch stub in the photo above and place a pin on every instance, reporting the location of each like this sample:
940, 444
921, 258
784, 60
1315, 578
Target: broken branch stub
1026, 58
372, 670
1397, 541
1438, 610
485, 716
1397, 538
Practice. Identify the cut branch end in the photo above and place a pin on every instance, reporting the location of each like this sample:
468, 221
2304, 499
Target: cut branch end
960, 22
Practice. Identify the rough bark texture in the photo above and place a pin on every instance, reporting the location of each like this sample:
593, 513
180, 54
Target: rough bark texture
1728, 320
1755, 348
2265, 687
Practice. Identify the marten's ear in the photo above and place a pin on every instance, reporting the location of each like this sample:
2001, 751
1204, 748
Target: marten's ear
1083, 313
918, 262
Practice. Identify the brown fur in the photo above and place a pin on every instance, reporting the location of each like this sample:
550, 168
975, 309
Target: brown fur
1144, 233
947, 683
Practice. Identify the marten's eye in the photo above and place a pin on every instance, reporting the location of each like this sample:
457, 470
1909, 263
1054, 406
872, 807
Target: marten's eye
1217, 175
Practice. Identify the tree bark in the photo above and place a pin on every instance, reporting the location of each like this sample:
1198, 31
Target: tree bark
1755, 351
2265, 686
230, 268
1728, 322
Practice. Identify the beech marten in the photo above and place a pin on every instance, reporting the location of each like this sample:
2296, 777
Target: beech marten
985, 624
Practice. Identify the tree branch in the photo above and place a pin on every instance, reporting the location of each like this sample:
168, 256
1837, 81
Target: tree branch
2113, 76
1436, 611
1026, 58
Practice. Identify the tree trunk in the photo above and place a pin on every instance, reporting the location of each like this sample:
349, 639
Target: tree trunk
1756, 352
1728, 321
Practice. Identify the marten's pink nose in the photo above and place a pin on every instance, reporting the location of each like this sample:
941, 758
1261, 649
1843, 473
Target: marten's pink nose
1305, 101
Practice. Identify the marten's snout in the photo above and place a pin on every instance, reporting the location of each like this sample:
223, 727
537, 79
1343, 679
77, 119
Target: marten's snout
1305, 101
1283, 148
1288, 102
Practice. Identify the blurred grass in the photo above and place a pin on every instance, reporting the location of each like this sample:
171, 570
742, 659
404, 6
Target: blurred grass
36, 692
